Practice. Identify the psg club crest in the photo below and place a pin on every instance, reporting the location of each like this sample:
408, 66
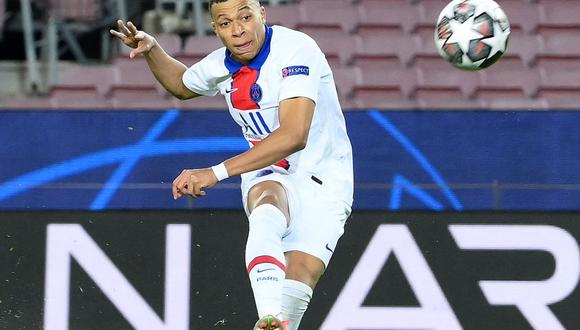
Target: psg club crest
256, 93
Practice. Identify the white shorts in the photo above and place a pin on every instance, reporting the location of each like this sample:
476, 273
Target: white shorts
316, 218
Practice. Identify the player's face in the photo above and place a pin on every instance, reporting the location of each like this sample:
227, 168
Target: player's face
240, 26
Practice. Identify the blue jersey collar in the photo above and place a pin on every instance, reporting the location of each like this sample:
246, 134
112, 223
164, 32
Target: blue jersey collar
233, 66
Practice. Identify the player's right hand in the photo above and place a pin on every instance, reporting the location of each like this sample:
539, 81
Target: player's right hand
140, 41
192, 182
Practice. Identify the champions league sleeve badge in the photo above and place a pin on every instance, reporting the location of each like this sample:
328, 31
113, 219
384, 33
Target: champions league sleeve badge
295, 70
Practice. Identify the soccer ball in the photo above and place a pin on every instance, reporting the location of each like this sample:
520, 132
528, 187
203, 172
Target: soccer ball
472, 34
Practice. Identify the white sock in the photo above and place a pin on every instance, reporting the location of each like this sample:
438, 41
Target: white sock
265, 260
295, 298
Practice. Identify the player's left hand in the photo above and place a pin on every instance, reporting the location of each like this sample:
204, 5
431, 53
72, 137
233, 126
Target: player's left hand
191, 182
141, 42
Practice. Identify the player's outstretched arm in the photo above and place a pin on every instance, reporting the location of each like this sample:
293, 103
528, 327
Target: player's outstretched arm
295, 119
167, 70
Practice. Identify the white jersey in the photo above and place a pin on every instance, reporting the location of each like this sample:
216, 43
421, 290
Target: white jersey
289, 64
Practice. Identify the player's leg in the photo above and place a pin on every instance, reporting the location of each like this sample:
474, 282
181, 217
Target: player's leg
309, 247
302, 274
267, 205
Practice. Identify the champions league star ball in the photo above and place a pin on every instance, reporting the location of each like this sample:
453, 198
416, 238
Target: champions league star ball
472, 34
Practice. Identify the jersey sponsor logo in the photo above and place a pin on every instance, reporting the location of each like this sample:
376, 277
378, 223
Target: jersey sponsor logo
295, 70
256, 93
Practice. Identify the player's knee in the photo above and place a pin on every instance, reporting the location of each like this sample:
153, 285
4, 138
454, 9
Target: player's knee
268, 193
268, 198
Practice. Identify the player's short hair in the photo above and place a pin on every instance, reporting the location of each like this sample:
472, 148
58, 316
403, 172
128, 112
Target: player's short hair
213, 2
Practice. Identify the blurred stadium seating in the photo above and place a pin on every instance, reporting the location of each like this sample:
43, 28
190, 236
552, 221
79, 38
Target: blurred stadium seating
339, 14
286, 15
382, 55
522, 14
79, 11
559, 14
197, 47
398, 14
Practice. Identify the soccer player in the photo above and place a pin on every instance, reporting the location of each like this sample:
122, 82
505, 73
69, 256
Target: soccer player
297, 176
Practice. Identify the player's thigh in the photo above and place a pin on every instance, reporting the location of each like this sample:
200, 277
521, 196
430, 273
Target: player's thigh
317, 229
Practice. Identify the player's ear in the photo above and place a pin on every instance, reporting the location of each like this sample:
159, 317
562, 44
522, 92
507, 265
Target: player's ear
263, 14
213, 27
